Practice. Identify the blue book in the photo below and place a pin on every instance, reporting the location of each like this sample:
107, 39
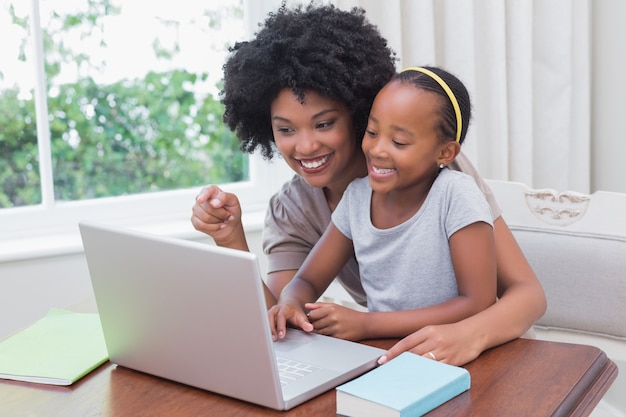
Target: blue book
408, 385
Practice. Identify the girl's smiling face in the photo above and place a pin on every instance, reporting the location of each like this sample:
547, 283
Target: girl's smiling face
402, 144
317, 139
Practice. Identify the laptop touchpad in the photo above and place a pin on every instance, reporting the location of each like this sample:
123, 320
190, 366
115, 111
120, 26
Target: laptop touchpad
293, 340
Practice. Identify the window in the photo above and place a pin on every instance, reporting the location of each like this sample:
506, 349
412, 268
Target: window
109, 110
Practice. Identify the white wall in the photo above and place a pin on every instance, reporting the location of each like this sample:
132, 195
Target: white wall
30, 287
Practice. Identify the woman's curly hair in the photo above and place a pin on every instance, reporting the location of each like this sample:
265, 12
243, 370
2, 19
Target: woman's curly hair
335, 53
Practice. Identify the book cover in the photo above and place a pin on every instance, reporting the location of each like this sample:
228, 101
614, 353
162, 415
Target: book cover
59, 349
407, 385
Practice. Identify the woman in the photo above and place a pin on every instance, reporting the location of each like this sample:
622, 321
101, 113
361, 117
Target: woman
273, 85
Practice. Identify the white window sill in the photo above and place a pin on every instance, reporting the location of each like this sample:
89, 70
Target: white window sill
69, 242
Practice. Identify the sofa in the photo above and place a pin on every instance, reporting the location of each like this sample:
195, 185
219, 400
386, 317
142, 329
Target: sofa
576, 244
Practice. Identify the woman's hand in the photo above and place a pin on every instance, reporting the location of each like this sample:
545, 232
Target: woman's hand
218, 214
454, 344
334, 320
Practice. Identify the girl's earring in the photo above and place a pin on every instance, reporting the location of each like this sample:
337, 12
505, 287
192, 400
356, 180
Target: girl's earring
441, 166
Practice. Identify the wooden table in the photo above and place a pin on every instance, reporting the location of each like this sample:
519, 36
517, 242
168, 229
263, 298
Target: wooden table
521, 378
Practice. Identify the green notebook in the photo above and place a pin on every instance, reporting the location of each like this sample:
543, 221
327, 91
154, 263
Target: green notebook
59, 349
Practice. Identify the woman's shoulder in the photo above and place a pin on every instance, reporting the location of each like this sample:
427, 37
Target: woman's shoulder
297, 199
297, 212
297, 190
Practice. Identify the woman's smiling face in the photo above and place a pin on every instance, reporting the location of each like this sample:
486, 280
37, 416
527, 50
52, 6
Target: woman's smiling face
316, 138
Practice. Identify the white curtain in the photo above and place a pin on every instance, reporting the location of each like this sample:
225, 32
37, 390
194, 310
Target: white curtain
527, 66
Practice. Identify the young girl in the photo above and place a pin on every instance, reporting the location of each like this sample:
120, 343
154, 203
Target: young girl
421, 233
319, 68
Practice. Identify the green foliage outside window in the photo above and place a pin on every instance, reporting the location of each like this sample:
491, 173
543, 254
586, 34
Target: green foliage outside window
131, 136
19, 176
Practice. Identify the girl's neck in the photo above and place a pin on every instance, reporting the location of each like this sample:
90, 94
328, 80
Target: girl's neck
391, 209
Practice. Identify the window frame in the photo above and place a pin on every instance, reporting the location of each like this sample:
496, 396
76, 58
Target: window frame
51, 228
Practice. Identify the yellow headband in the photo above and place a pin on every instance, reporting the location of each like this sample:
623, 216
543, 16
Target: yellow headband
446, 88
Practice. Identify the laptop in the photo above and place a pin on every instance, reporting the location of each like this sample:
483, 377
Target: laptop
195, 313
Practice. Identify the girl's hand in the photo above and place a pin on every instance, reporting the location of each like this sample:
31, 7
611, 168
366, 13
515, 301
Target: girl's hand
283, 313
334, 320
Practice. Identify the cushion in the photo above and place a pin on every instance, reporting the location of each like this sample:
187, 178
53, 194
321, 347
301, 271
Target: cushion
583, 276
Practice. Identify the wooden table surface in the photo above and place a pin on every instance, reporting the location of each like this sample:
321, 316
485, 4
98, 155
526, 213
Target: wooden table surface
520, 378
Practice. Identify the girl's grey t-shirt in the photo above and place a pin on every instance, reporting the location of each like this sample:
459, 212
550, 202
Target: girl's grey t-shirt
409, 265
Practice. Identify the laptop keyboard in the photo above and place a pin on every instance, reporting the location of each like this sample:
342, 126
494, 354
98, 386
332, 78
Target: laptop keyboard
290, 370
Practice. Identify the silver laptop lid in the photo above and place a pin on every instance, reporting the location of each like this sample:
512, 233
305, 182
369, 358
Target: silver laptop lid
162, 313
